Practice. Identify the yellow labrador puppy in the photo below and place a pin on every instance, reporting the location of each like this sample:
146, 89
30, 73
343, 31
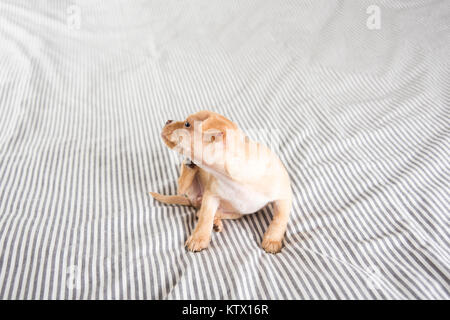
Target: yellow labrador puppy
228, 176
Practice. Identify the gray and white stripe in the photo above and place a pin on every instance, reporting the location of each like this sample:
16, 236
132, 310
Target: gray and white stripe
360, 118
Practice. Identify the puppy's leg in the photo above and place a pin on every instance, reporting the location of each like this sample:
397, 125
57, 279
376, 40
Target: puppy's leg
178, 199
185, 181
273, 238
220, 215
187, 176
201, 236
217, 224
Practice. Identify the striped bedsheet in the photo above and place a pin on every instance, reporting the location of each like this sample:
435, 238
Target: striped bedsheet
353, 96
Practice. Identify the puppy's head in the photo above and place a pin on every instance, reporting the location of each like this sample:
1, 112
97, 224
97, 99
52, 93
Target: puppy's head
201, 137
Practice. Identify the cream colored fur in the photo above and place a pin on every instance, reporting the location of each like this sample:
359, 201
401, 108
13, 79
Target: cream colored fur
232, 176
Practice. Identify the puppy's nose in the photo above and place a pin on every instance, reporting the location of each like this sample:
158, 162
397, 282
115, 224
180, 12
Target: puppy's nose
169, 121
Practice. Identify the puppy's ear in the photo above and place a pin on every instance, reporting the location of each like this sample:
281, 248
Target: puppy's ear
218, 125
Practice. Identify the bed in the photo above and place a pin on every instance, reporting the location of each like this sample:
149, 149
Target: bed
354, 96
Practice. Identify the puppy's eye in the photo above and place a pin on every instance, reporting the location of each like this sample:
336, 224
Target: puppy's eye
187, 124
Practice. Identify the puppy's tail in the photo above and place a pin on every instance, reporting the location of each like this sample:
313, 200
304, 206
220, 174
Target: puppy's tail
180, 200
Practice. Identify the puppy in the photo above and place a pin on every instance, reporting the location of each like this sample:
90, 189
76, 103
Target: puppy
228, 176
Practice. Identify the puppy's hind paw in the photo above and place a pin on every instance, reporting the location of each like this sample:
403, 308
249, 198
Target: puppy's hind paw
218, 225
272, 246
154, 194
197, 243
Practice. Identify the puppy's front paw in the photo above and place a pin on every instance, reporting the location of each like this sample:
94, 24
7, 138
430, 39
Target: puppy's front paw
197, 242
272, 246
